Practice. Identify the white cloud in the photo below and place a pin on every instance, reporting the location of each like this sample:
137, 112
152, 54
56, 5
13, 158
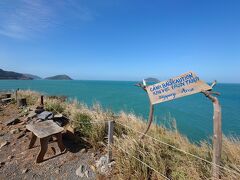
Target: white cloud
28, 18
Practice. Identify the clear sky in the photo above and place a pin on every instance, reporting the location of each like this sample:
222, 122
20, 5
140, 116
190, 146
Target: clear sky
121, 39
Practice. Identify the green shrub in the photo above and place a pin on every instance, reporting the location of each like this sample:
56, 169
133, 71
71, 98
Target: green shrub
82, 124
55, 105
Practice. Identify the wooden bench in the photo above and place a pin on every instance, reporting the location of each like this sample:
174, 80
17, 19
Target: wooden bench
45, 130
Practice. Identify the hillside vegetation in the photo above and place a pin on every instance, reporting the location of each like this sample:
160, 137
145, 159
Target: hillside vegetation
128, 147
13, 75
59, 77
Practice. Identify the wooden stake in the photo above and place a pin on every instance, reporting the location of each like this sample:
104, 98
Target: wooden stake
217, 134
217, 138
151, 111
110, 140
22, 102
150, 119
16, 95
41, 103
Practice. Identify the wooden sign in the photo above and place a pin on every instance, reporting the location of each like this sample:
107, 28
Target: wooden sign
184, 85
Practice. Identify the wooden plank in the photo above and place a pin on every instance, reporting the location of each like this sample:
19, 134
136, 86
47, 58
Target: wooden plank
183, 85
44, 129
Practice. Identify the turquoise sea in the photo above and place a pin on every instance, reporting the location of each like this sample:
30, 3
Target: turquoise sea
193, 113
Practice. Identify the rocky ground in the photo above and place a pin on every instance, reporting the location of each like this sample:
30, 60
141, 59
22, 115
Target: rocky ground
18, 162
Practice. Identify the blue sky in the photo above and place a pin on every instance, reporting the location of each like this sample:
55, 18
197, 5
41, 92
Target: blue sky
121, 39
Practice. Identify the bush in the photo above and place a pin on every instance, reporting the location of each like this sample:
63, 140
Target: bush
94, 132
82, 124
55, 105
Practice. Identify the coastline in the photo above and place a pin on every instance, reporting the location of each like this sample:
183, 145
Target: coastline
193, 114
160, 156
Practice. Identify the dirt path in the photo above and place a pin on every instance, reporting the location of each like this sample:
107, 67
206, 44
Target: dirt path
18, 162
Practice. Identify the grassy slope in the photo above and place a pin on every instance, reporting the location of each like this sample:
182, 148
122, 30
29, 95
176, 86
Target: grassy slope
163, 158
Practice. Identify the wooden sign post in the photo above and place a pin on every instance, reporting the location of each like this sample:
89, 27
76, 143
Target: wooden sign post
185, 85
217, 133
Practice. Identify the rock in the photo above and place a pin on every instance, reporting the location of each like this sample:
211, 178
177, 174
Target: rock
39, 109
23, 122
70, 129
25, 171
23, 153
93, 155
81, 171
25, 111
111, 164
10, 157
57, 171
87, 173
2, 164
45, 115
21, 135
14, 131
104, 169
31, 115
83, 150
103, 166
39, 120
4, 143
93, 168
50, 117
58, 116
12, 121
60, 120
6, 100
102, 161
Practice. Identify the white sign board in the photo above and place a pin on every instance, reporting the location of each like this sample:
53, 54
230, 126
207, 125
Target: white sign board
184, 85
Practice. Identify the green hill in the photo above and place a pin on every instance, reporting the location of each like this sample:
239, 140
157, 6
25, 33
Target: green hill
59, 77
32, 76
13, 75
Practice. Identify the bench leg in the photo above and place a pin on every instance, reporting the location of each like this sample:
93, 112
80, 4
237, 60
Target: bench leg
33, 140
44, 146
60, 142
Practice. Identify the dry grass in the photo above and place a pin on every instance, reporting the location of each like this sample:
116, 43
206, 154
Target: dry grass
32, 97
127, 144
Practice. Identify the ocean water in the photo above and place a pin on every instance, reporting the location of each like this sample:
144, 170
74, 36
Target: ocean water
193, 114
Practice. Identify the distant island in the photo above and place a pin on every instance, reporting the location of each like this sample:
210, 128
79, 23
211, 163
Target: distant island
13, 75
59, 77
8, 75
33, 76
